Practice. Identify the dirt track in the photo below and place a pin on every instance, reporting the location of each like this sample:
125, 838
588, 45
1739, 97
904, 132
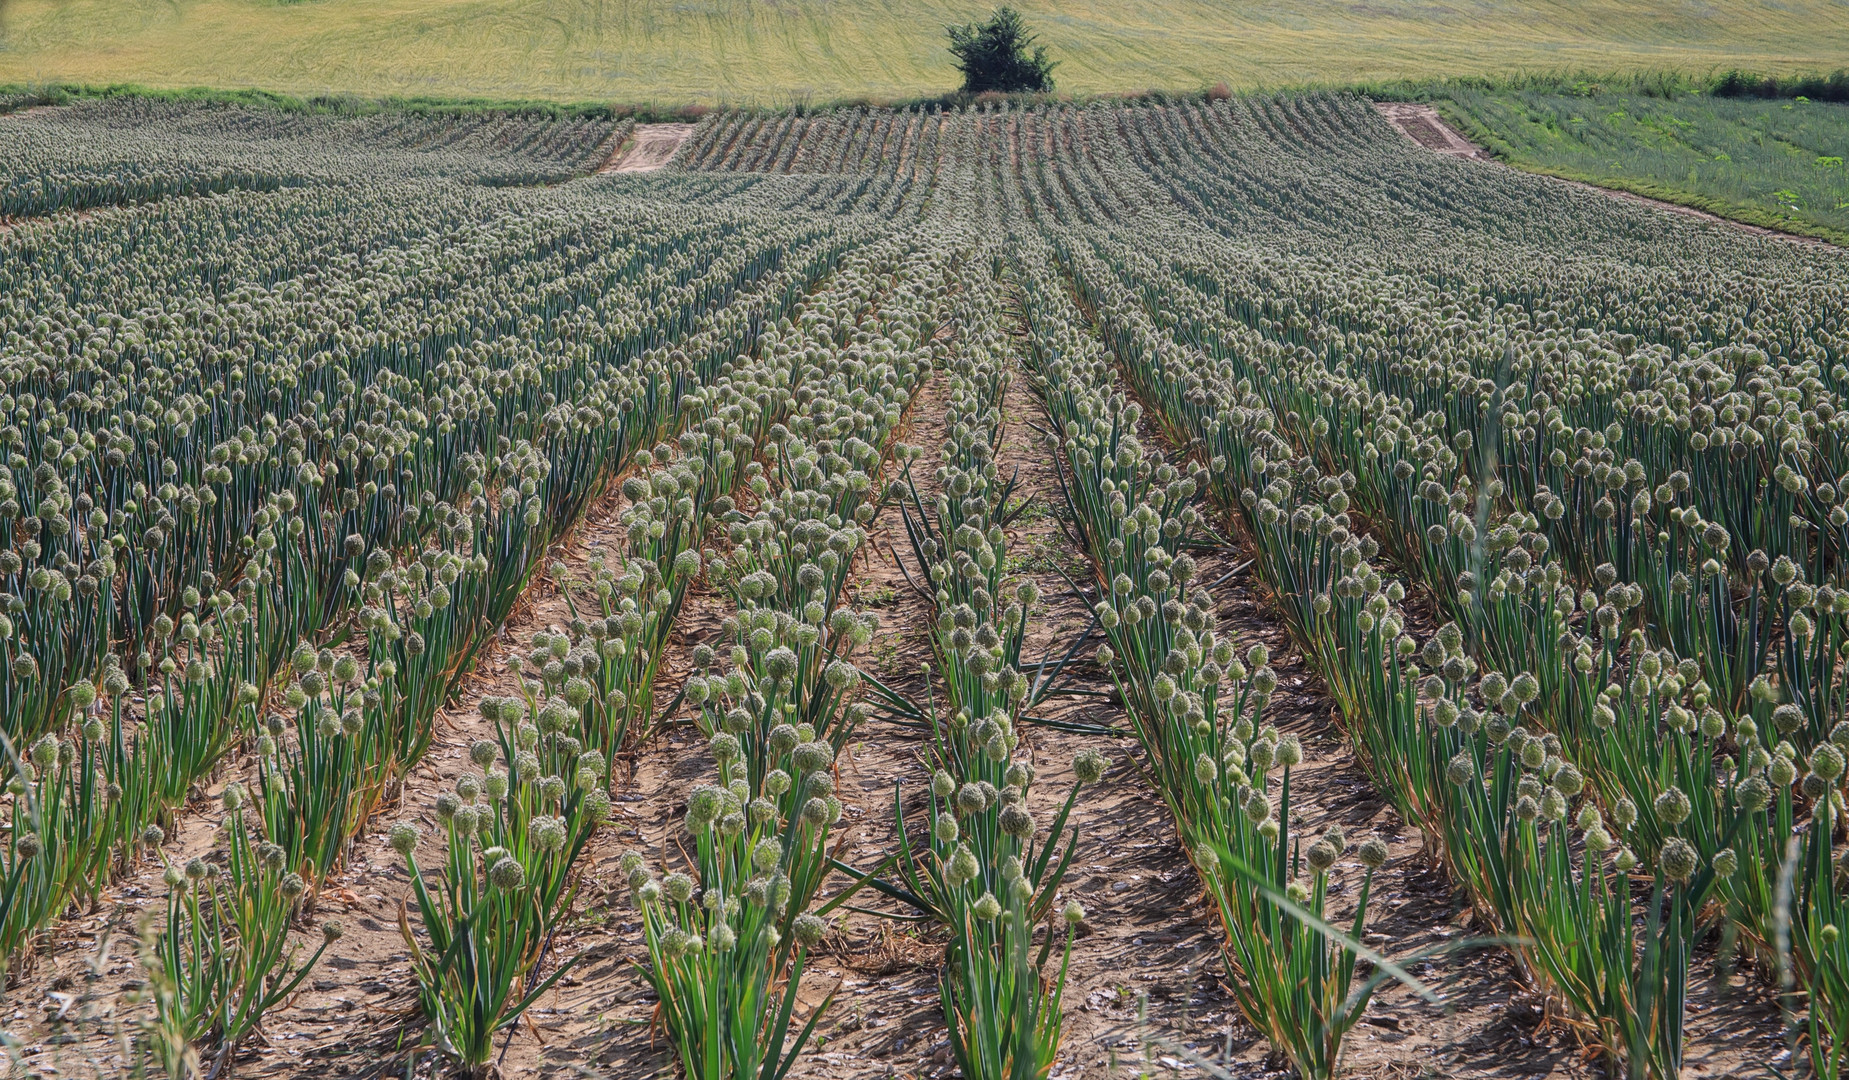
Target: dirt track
648, 148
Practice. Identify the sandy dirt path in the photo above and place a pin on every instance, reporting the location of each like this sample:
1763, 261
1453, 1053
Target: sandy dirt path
648, 148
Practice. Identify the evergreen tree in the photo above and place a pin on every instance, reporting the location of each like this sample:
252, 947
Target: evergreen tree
996, 56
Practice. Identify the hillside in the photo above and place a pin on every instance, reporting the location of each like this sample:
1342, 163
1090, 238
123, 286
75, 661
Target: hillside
786, 51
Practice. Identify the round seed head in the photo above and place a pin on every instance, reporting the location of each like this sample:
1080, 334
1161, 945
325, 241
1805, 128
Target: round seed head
1827, 761
704, 804
45, 751
1678, 859
1784, 571
507, 874
1525, 688
963, 866
767, 855
780, 663
809, 929
987, 908
1321, 856
1373, 852
332, 931
1753, 794
1569, 781
1672, 807
1787, 718
1016, 821
1074, 913
405, 836
813, 756
841, 675
677, 887
555, 717
1089, 766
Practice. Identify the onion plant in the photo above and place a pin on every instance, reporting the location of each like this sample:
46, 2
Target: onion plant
224, 955
512, 838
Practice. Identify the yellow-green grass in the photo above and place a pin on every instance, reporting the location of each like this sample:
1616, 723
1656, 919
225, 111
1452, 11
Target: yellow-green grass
781, 52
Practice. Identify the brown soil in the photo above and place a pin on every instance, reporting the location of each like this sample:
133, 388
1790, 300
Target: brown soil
649, 147
1423, 125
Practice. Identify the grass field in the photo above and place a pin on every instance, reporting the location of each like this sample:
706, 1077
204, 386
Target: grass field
1773, 163
739, 51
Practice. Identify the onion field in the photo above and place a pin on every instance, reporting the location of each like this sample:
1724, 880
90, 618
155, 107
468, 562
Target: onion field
1205, 589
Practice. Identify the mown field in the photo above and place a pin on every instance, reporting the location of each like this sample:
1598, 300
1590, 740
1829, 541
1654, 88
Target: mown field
1019, 590
737, 51
1776, 163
